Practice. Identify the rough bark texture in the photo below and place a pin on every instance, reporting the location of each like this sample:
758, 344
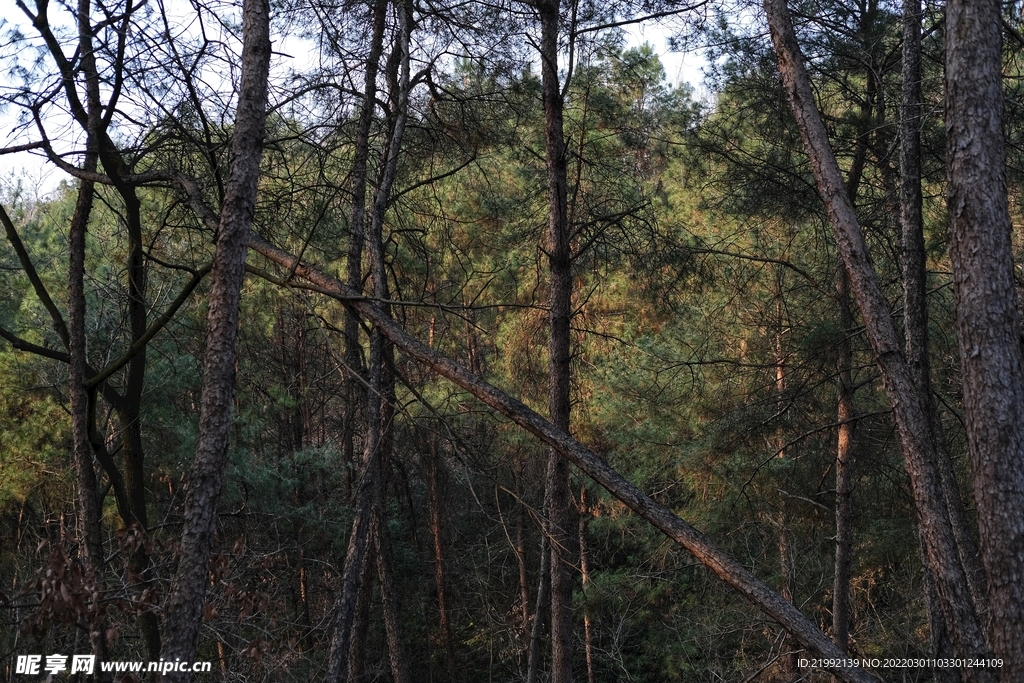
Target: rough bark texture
915, 307
988, 324
89, 522
912, 422
89, 529
556, 489
354, 266
724, 566
188, 588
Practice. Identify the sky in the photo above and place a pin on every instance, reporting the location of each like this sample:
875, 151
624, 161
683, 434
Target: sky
41, 178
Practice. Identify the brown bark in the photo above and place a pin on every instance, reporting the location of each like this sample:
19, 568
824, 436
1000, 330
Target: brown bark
725, 567
988, 323
366, 493
541, 606
89, 530
89, 521
354, 267
588, 644
844, 474
912, 422
556, 488
381, 537
432, 469
361, 621
389, 596
915, 315
187, 592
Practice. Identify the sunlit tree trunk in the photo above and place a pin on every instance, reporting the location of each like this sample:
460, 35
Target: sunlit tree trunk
988, 323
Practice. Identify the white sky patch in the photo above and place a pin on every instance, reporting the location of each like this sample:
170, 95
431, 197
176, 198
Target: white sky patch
680, 67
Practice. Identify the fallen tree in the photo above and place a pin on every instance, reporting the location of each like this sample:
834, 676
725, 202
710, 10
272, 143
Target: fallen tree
700, 546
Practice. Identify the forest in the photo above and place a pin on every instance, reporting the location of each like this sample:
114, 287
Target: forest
427, 340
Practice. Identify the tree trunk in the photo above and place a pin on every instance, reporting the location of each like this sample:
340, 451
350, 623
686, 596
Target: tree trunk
844, 474
89, 521
354, 267
89, 524
915, 312
432, 469
366, 493
361, 620
524, 582
188, 587
912, 422
543, 602
988, 324
556, 489
588, 645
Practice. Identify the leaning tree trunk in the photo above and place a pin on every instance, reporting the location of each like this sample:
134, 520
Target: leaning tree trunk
725, 567
988, 324
188, 587
912, 422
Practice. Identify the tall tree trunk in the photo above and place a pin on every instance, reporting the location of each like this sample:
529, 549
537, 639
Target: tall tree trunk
389, 596
524, 582
844, 473
89, 522
988, 323
381, 537
361, 620
89, 529
356, 555
354, 267
912, 422
915, 312
938, 632
556, 491
188, 587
